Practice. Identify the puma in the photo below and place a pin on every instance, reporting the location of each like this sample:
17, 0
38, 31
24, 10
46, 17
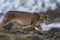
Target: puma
26, 18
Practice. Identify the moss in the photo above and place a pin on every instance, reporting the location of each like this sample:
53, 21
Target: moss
4, 36
28, 37
24, 37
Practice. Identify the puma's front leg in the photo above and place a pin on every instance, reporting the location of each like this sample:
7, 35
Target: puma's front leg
39, 29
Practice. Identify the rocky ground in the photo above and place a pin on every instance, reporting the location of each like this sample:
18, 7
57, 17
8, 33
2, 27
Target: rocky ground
53, 34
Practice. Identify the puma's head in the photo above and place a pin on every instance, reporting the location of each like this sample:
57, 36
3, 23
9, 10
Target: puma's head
45, 18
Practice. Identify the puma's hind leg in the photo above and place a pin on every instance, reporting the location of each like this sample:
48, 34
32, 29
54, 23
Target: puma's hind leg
6, 19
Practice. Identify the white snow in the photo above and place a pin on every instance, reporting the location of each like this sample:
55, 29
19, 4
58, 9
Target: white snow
49, 26
30, 6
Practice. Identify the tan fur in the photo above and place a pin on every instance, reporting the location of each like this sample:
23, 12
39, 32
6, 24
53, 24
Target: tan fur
33, 19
